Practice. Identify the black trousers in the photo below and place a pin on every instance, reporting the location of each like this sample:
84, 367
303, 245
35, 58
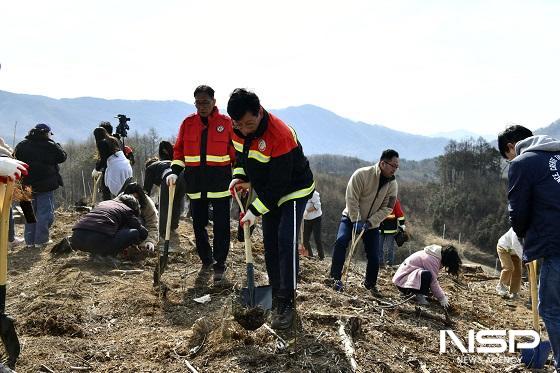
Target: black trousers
220, 207
105, 192
178, 204
280, 235
425, 281
103, 244
313, 226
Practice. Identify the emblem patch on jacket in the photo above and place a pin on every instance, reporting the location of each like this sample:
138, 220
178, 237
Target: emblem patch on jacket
262, 145
220, 128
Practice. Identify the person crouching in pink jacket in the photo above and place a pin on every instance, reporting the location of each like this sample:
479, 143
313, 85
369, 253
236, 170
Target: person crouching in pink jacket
418, 273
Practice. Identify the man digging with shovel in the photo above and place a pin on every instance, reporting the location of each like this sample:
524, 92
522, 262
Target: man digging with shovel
270, 160
370, 196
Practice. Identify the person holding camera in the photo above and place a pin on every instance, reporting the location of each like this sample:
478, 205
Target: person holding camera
205, 152
43, 156
101, 162
112, 165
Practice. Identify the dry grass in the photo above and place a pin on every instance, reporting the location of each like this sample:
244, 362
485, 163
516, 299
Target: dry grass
72, 311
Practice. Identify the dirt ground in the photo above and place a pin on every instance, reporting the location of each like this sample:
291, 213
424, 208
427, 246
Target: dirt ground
80, 313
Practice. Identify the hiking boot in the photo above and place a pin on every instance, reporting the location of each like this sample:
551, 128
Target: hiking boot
501, 289
219, 274
373, 290
43, 245
512, 296
421, 300
206, 268
338, 286
62, 247
16, 241
283, 315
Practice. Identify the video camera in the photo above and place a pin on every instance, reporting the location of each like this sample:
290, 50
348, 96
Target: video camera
123, 127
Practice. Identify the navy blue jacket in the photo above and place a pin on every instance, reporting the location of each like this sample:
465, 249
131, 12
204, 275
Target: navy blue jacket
534, 196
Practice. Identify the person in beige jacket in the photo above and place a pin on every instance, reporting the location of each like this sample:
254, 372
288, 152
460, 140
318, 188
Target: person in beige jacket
148, 214
370, 196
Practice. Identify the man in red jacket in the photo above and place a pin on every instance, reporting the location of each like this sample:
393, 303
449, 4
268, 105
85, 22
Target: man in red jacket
203, 149
270, 159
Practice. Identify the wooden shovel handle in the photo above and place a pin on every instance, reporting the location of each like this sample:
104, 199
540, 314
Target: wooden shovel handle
8, 191
534, 294
171, 197
348, 260
246, 231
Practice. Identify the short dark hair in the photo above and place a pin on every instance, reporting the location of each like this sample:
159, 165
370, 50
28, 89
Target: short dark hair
388, 154
130, 201
450, 259
165, 151
204, 89
242, 101
134, 187
108, 127
512, 134
100, 133
150, 162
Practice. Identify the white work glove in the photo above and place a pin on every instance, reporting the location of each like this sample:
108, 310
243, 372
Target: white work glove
403, 227
95, 174
149, 246
444, 302
171, 179
12, 168
248, 217
232, 185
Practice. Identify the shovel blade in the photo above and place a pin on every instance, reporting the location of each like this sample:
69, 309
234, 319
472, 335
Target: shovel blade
9, 339
262, 297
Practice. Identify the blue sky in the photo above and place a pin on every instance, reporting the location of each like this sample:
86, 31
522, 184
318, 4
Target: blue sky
417, 66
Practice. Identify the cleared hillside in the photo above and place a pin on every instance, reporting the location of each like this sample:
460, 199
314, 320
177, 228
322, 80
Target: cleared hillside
76, 313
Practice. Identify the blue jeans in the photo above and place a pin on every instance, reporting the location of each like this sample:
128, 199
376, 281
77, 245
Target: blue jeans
43, 205
549, 302
390, 240
371, 246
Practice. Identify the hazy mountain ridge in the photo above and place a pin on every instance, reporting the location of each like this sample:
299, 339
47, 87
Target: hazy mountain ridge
320, 131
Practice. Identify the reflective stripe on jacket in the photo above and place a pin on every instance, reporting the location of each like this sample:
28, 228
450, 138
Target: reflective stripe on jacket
393, 221
206, 153
272, 160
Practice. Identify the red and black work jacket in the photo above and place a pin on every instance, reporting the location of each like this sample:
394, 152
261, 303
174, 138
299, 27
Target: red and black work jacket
391, 222
206, 153
272, 160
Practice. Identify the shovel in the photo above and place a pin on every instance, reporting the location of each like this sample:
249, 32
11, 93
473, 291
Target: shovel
162, 260
256, 300
348, 261
535, 358
7, 327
